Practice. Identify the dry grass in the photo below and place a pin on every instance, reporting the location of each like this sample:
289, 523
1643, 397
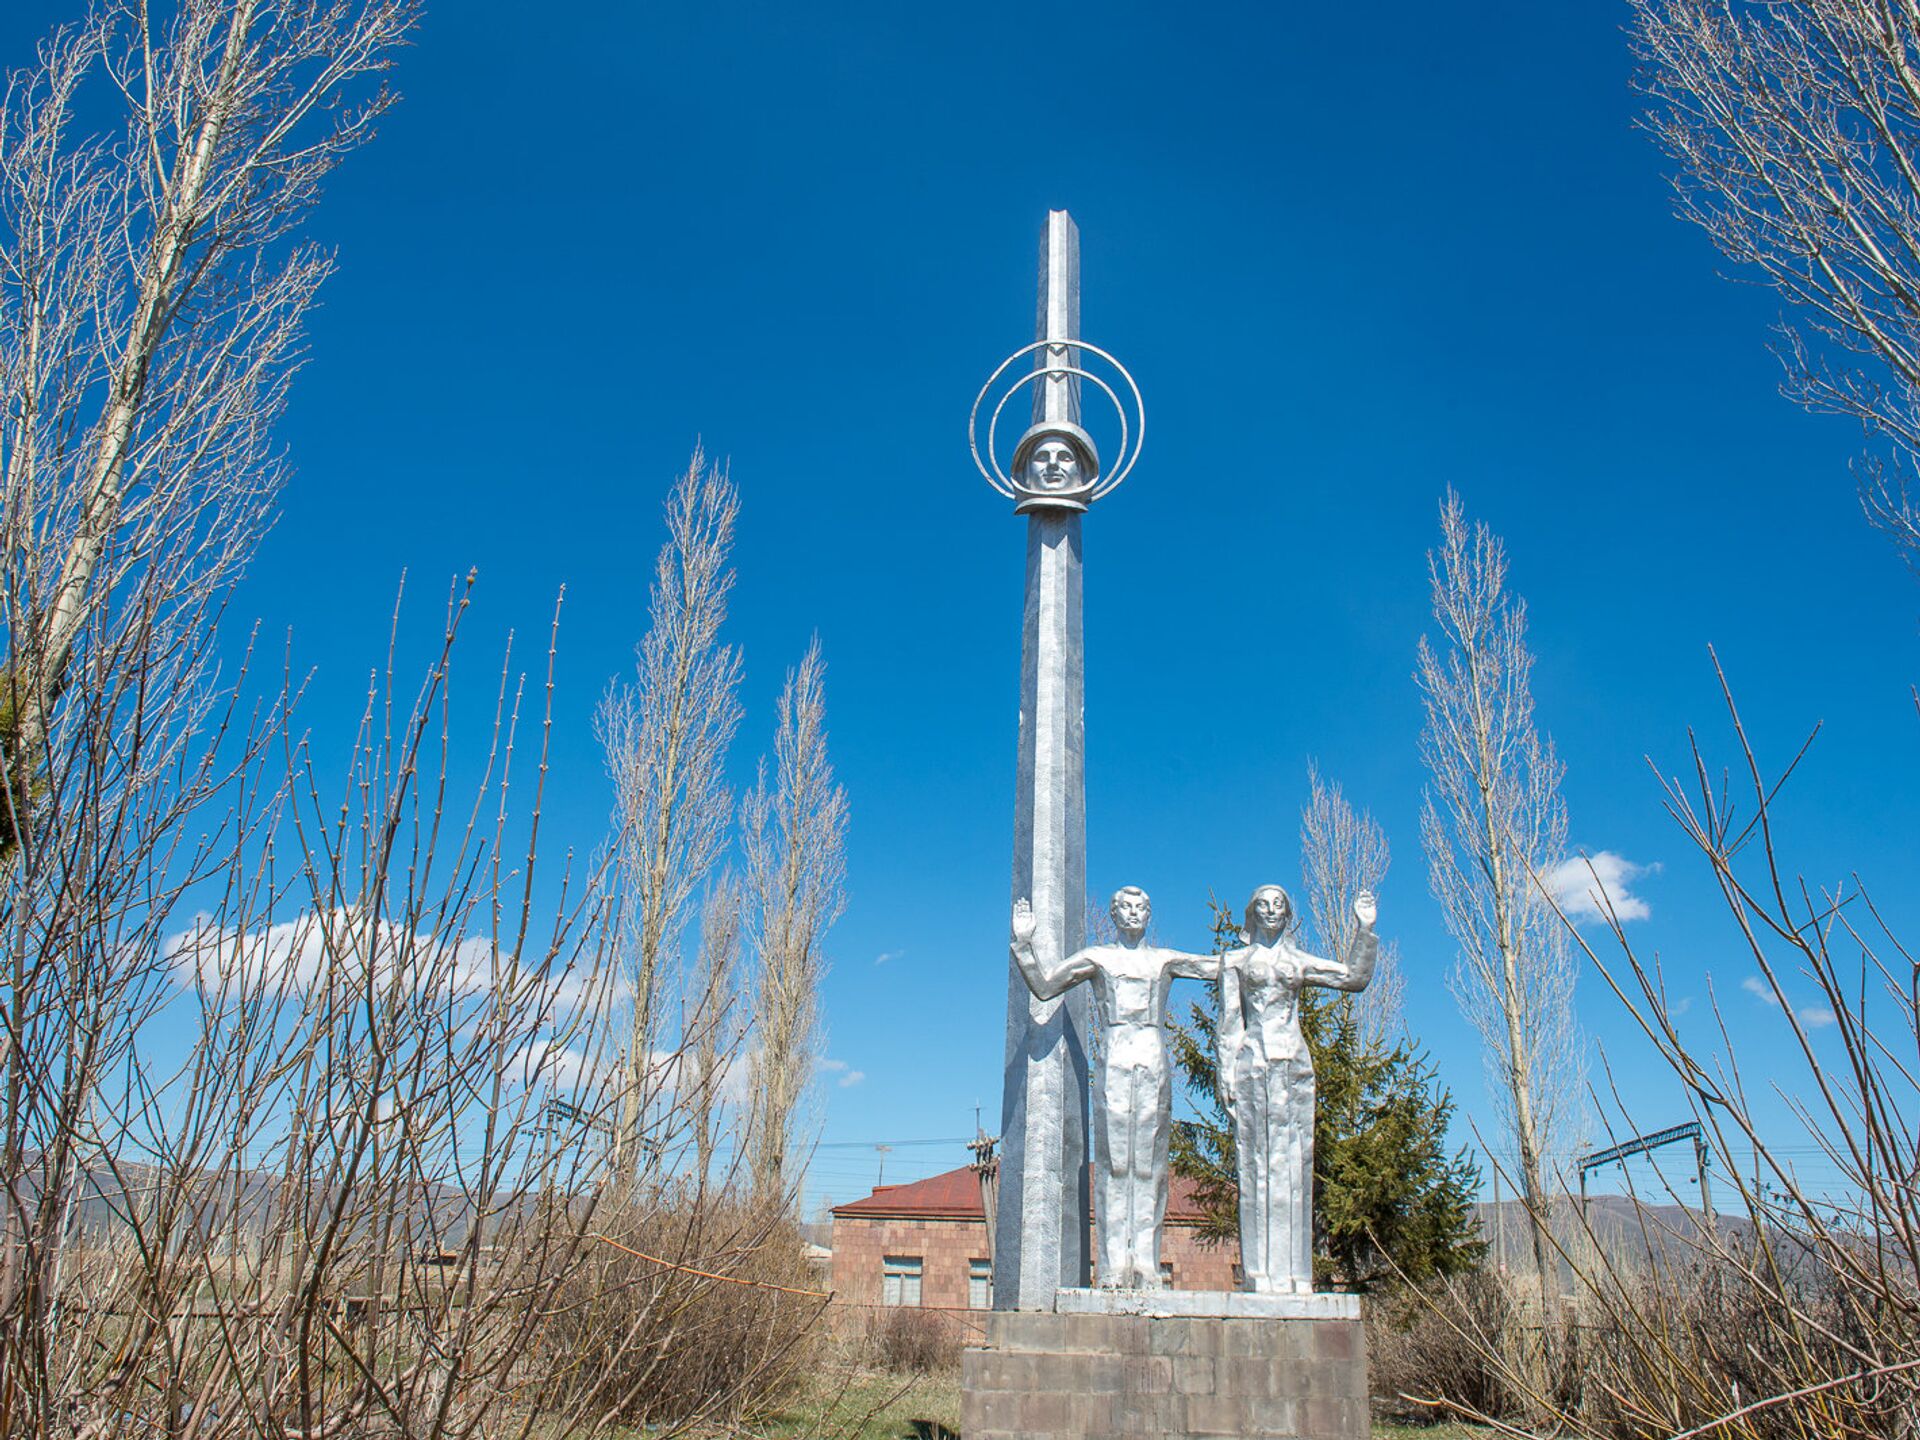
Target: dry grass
653, 1345
1438, 1344
917, 1342
846, 1399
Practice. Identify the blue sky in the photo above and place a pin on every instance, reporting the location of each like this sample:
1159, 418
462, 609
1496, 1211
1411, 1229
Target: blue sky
1353, 256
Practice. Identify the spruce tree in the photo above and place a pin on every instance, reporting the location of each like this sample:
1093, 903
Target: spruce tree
1388, 1199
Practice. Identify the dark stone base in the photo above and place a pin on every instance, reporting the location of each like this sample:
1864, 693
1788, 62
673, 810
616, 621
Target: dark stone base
1042, 1376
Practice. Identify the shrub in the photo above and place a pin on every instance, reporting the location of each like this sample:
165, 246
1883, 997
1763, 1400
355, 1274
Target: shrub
921, 1342
713, 1335
1433, 1349
1666, 1342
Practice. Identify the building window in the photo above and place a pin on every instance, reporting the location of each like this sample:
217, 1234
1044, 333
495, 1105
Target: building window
1166, 1273
900, 1280
980, 1284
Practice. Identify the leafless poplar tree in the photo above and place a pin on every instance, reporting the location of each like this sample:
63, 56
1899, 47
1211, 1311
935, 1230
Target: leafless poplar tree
715, 1022
1797, 132
151, 294
323, 1159
666, 737
794, 835
301, 1098
1341, 853
1492, 822
151, 299
1800, 1316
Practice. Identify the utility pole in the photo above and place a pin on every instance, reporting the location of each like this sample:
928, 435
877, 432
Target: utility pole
1640, 1145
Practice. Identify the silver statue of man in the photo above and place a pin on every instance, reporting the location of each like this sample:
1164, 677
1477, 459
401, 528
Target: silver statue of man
1266, 1082
1133, 1091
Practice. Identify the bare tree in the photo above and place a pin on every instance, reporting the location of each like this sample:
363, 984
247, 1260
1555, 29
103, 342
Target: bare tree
714, 1026
150, 308
1492, 823
1802, 1316
1342, 853
666, 737
794, 835
151, 295
357, 1185
1797, 132
301, 1093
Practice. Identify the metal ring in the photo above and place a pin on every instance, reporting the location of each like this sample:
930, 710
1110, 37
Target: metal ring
993, 423
1124, 461
1003, 483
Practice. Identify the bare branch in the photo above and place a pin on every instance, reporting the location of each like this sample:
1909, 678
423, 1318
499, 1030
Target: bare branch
1492, 824
667, 736
794, 834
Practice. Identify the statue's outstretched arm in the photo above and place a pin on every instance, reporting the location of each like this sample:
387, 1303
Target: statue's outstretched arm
1355, 970
1046, 982
1183, 966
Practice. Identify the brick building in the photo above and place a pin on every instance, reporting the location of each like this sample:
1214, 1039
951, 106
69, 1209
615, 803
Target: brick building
925, 1244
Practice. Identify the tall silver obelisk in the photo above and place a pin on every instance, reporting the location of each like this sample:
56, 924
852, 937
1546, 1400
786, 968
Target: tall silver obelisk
1040, 1240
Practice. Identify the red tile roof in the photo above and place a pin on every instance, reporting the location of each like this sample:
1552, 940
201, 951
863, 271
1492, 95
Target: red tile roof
952, 1196
955, 1195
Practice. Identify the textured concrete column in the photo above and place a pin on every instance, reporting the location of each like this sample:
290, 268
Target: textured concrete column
1040, 1235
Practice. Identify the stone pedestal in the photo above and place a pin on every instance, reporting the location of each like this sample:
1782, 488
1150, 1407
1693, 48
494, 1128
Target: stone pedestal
1170, 1364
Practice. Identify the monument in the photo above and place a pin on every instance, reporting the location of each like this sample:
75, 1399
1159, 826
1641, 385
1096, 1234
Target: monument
1133, 1094
1040, 1234
1063, 1357
1266, 1079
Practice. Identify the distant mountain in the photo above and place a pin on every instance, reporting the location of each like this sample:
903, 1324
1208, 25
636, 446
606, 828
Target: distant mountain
1631, 1234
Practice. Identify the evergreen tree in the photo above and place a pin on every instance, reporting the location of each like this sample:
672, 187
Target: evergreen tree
1388, 1199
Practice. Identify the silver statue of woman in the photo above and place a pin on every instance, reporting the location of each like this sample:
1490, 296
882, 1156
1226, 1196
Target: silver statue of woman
1266, 1082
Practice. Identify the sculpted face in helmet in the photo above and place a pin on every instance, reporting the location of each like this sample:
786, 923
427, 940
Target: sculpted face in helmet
1054, 464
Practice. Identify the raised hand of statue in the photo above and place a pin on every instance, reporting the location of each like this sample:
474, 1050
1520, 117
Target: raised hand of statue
1365, 909
1023, 923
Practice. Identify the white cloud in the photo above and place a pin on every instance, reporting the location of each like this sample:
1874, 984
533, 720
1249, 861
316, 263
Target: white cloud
1814, 1017
1586, 887
734, 1085
848, 1076
885, 955
312, 949
557, 1067
341, 946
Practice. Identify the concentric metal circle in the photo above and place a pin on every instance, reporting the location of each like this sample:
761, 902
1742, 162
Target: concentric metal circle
1124, 458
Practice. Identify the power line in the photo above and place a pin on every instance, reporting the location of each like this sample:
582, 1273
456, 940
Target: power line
896, 1144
